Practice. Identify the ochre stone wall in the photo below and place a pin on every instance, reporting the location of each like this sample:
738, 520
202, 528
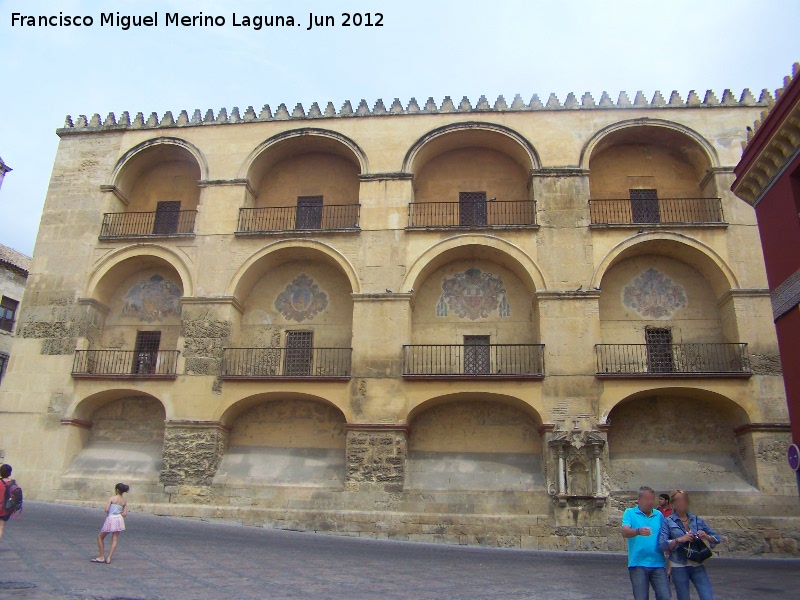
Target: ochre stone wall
147, 300
397, 457
290, 424
312, 174
471, 170
679, 442
376, 459
443, 315
474, 426
277, 303
168, 180
618, 169
138, 419
658, 291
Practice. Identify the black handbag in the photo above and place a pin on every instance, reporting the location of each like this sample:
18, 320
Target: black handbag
697, 550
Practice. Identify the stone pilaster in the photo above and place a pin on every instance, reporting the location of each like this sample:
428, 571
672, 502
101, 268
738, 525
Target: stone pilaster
206, 325
93, 316
192, 452
376, 456
762, 449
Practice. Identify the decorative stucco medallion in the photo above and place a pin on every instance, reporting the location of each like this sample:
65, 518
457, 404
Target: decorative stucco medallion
473, 294
301, 300
152, 299
653, 294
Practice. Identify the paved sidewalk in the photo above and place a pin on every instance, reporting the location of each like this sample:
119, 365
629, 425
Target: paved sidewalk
46, 555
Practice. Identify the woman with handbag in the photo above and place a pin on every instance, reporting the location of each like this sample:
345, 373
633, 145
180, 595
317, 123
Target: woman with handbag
687, 538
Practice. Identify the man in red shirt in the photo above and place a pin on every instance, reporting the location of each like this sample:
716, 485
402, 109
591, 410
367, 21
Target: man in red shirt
663, 505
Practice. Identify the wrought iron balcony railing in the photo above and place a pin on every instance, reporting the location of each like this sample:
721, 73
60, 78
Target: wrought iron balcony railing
325, 217
663, 360
148, 224
268, 363
125, 363
656, 211
490, 360
506, 213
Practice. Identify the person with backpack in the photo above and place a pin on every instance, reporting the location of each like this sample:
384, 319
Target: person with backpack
116, 511
11, 494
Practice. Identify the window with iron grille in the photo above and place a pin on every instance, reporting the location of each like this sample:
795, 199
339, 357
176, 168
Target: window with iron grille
8, 312
472, 209
659, 350
644, 206
309, 212
299, 353
145, 353
3, 363
168, 213
476, 354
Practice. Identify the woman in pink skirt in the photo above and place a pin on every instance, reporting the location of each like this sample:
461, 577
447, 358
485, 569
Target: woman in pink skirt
116, 510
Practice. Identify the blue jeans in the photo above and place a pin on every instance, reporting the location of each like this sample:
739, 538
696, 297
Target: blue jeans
698, 576
644, 577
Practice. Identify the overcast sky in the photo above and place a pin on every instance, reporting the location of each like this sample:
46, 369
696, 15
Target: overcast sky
425, 48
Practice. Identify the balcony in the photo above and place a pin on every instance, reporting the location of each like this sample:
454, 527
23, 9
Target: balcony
472, 215
320, 364
673, 360
125, 364
656, 211
314, 218
489, 361
148, 224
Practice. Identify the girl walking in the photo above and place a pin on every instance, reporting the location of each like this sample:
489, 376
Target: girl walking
116, 510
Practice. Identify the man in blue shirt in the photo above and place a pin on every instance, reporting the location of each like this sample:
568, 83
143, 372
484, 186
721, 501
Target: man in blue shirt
646, 565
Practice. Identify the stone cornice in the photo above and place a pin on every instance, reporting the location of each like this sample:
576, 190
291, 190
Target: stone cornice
398, 176
401, 427
559, 172
742, 293
563, 295
232, 300
189, 424
225, 182
93, 303
713, 172
77, 423
380, 297
116, 191
763, 428
84, 124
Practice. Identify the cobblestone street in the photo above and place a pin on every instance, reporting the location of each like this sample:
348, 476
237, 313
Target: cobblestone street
46, 555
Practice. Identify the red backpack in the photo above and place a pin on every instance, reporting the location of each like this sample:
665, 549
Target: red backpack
12, 499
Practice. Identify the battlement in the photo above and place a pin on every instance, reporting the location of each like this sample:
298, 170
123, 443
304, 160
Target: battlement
587, 102
751, 131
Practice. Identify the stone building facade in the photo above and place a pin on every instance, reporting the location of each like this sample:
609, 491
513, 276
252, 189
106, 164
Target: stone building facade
13, 273
480, 324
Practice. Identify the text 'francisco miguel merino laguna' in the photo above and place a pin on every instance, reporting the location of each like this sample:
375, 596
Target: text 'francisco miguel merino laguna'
125, 22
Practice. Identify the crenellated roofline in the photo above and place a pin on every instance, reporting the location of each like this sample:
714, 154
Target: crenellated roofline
84, 125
